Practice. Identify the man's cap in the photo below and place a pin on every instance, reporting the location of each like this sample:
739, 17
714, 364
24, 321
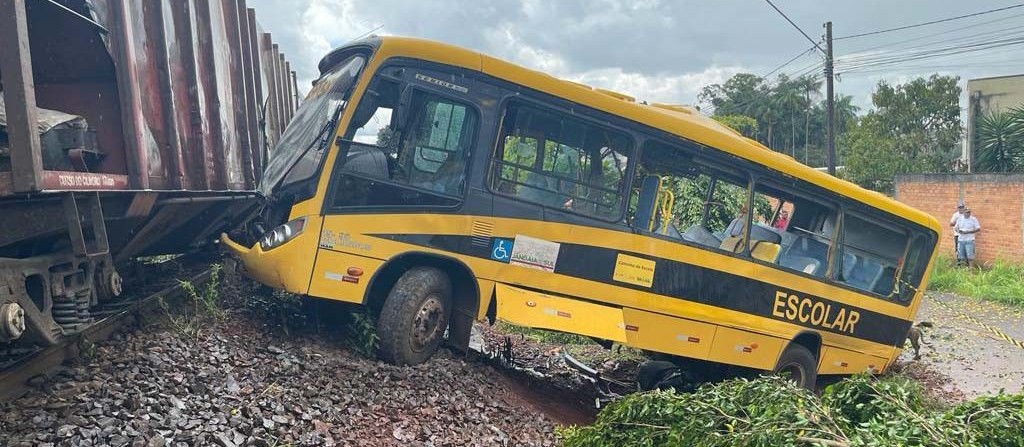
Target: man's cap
966, 209
961, 204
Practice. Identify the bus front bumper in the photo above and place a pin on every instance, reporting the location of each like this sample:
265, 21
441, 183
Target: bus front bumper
259, 265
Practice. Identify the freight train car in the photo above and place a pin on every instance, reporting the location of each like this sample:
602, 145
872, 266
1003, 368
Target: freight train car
127, 128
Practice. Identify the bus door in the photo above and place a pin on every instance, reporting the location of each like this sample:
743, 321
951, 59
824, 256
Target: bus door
405, 179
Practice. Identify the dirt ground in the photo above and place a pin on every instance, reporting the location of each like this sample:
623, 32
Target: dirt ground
248, 380
975, 360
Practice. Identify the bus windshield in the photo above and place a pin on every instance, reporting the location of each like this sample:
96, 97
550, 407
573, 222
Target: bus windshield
297, 156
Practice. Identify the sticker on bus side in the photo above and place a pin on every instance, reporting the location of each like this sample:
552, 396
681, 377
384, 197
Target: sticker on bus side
534, 253
501, 249
634, 270
441, 83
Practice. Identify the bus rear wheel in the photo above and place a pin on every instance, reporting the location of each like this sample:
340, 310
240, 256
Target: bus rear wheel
415, 316
798, 363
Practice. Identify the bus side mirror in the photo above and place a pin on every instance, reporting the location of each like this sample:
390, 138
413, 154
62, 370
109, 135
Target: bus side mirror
402, 111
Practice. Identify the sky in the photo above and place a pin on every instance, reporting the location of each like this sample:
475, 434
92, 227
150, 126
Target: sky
667, 51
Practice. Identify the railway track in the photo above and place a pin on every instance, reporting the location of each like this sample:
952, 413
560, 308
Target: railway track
22, 369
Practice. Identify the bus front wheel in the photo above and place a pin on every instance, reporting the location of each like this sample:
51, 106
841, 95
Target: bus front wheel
415, 316
798, 363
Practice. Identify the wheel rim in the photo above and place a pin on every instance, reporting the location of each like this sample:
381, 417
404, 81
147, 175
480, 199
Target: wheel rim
426, 327
796, 373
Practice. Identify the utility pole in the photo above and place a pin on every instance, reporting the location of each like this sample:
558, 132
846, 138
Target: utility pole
830, 100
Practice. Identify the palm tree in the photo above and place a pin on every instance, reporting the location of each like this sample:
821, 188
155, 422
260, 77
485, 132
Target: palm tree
810, 86
789, 98
845, 112
1000, 137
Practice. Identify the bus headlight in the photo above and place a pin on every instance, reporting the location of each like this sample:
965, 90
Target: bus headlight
282, 233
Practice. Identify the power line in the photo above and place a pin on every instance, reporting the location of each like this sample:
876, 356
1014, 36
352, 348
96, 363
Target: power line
794, 25
926, 51
788, 62
940, 33
936, 53
368, 32
871, 33
982, 37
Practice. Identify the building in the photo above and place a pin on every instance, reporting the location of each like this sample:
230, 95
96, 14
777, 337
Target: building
986, 95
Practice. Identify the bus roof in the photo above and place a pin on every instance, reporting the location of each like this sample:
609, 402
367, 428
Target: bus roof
678, 120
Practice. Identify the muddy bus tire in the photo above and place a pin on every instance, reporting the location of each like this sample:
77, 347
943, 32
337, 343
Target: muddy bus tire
798, 363
415, 316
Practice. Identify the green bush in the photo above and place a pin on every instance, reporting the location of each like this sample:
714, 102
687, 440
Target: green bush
991, 421
858, 412
765, 412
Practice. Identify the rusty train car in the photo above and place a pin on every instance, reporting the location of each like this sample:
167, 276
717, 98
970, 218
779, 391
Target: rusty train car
127, 128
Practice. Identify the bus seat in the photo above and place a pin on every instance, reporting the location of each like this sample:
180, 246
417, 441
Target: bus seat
765, 251
367, 160
699, 234
788, 239
865, 273
886, 281
761, 232
540, 188
645, 204
732, 243
669, 230
801, 263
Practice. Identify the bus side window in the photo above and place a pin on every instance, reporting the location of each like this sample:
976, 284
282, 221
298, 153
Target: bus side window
870, 254
914, 266
423, 165
561, 162
439, 147
707, 203
768, 233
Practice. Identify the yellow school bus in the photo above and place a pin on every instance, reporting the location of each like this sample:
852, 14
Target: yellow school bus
439, 186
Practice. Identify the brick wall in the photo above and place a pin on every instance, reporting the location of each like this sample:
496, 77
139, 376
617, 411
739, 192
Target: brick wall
997, 200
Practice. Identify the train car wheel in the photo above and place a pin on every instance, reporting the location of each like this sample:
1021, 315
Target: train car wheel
415, 316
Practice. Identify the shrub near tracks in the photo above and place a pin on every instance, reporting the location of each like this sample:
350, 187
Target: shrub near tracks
861, 411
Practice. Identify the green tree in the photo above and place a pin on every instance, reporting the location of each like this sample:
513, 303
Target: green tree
745, 125
788, 111
810, 86
846, 113
915, 127
999, 138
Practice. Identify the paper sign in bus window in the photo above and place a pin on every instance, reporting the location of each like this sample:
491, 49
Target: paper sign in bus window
634, 270
534, 253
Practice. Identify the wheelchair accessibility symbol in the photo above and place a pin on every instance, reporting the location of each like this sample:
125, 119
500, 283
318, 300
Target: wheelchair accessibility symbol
501, 249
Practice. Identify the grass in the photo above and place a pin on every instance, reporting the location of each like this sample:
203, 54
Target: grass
542, 336
576, 345
1002, 282
206, 305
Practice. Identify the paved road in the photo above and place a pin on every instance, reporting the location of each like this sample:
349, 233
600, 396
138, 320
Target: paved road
977, 359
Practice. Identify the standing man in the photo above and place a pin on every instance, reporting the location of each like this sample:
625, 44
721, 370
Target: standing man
952, 224
966, 227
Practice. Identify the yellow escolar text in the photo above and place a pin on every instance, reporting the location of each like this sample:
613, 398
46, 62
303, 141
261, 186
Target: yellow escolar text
806, 310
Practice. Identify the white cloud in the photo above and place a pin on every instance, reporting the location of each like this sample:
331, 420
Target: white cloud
512, 48
653, 49
665, 88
